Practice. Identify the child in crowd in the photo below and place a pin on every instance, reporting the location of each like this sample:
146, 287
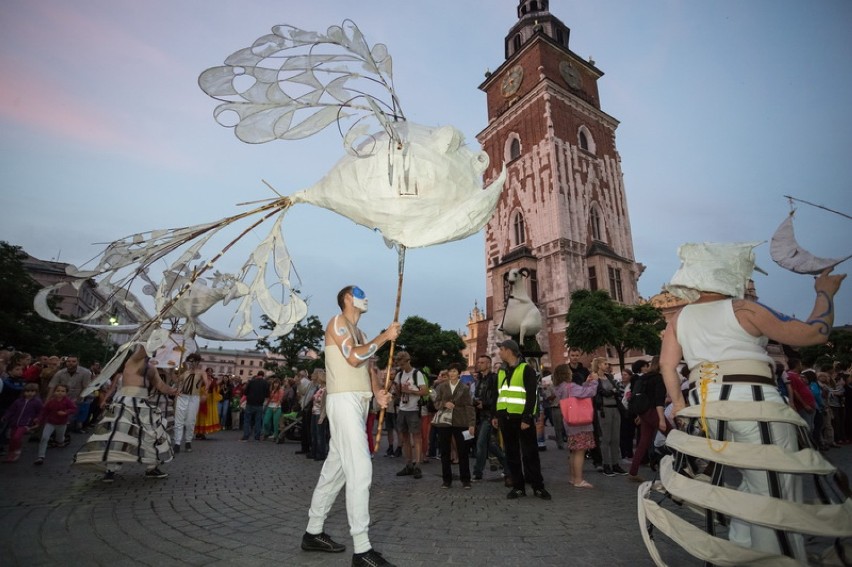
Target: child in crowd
20, 418
55, 415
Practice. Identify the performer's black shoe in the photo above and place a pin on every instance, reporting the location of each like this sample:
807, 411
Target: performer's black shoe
371, 558
177, 449
155, 473
188, 447
109, 477
321, 542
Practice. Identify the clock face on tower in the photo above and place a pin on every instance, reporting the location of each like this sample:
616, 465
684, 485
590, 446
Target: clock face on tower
512, 81
570, 74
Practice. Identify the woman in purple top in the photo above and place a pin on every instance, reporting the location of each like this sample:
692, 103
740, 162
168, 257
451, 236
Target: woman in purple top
581, 438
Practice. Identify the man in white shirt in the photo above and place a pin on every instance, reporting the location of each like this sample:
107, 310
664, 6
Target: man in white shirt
412, 384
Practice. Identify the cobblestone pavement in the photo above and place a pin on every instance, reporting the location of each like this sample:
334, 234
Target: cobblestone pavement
234, 503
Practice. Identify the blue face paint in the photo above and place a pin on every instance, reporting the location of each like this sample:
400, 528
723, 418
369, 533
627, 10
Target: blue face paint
359, 299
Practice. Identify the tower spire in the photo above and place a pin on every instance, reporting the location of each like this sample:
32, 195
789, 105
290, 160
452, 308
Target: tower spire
534, 17
532, 6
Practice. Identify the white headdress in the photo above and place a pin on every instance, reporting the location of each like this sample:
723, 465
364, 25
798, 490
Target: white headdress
717, 267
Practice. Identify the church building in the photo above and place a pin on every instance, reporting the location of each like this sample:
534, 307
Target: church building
563, 212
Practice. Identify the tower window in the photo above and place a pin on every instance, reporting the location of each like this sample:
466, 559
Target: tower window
534, 6
593, 278
516, 42
585, 140
519, 229
615, 284
512, 148
560, 37
595, 221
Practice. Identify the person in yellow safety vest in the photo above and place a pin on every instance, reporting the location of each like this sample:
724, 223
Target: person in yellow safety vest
515, 409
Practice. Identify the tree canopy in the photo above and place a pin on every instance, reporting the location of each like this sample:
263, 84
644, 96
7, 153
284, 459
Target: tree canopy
23, 329
838, 348
307, 334
595, 320
428, 344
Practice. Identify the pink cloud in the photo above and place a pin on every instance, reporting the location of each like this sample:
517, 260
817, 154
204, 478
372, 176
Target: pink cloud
63, 66
32, 102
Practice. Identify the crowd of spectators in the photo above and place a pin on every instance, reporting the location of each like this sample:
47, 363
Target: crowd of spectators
41, 399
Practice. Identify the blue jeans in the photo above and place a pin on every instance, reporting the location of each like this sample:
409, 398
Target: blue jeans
319, 438
83, 407
484, 444
252, 416
224, 410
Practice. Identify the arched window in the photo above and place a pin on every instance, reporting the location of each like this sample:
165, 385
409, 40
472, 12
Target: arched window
512, 147
595, 222
585, 140
520, 231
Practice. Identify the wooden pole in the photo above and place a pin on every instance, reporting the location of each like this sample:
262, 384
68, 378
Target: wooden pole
393, 343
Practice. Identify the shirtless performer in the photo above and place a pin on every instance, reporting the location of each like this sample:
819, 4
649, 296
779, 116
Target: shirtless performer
116, 439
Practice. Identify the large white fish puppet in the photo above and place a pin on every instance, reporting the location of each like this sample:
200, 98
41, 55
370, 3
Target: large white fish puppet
396, 178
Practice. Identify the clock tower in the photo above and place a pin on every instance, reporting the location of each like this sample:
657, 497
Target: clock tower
563, 213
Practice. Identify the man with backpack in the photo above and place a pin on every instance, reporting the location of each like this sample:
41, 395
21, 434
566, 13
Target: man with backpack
647, 401
412, 385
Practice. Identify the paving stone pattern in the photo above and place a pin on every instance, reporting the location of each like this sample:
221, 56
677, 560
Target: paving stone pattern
235, 503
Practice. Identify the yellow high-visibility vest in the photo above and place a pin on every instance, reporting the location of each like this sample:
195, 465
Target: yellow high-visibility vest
512, 396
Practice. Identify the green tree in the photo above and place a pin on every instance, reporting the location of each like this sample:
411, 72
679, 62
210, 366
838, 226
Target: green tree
429, 346
838, 348
21, 327
306, 334
595, 320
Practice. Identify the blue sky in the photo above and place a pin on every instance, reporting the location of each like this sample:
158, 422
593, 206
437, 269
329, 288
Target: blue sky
724, 107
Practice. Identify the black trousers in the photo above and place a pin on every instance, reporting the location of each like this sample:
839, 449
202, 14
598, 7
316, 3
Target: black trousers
445, 434
306, 430
521, 448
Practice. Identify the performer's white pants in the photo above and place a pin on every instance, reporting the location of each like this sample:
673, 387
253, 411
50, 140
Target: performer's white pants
186, 411
755, 481
348, 463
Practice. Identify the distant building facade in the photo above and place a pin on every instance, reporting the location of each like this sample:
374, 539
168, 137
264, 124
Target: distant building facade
75, 303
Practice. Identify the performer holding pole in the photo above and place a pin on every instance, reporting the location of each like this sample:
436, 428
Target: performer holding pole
351, 383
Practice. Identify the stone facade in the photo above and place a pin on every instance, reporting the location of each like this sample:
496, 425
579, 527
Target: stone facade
563, 213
